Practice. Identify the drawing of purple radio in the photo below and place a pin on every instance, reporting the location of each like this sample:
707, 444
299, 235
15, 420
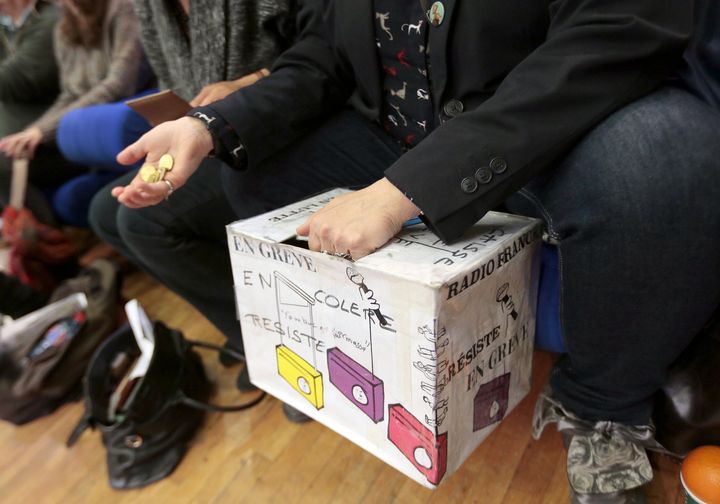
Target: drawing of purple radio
491, 402
360, 386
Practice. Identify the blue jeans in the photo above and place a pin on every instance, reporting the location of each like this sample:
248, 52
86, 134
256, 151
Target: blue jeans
632, 208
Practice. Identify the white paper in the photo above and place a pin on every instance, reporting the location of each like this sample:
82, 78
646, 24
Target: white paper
142, 329
18, 186
4, 257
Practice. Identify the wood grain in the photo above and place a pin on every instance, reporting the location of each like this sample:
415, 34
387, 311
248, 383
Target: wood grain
257, 456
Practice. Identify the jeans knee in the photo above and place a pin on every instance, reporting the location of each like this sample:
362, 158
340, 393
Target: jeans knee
638, 164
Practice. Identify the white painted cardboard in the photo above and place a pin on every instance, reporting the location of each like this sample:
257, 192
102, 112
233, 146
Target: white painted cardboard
415, 352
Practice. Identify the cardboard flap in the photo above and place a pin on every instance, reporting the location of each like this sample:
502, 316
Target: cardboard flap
280, 225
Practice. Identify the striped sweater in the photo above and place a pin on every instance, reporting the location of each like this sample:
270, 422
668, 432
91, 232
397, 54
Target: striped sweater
223, 39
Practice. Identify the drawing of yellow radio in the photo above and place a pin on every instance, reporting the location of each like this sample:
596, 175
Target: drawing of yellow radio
300, 375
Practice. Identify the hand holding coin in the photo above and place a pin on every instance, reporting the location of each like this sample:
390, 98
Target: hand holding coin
174, 146
148, 173
165, 164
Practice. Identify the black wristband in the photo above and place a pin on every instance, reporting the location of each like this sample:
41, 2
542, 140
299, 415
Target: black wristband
226, 144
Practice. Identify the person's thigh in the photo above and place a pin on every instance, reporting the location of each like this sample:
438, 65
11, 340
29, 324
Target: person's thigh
103, 215
199, 209
182, 242
634, 211
346, 151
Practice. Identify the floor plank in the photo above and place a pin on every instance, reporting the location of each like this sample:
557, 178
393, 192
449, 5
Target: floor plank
257, 456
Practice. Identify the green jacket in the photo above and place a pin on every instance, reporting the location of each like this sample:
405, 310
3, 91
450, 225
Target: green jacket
28, 71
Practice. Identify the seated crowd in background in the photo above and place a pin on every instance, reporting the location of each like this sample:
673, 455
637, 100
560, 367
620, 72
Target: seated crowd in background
581, 120
98, 57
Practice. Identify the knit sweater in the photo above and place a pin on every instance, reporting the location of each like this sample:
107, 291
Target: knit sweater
97, 75
225, 40
28, 73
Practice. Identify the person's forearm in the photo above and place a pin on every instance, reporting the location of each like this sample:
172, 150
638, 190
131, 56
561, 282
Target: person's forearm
599, 56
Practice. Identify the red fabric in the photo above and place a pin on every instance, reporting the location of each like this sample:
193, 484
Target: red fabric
34, 247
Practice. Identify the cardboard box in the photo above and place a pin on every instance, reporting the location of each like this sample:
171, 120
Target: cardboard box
415, 353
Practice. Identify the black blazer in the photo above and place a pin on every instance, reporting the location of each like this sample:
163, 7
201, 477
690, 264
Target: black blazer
515, 84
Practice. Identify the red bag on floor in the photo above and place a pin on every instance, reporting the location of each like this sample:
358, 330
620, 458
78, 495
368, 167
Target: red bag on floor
31, 238
35, 247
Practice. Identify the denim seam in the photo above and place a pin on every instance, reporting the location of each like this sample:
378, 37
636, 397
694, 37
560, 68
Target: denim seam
535, 201
538, 204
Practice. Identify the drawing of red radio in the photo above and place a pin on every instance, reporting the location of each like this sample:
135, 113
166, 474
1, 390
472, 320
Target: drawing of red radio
300, 375
426, 452
491, 402
360, 386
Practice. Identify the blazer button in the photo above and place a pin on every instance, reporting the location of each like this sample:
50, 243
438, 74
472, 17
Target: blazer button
468, 185
453, 108
498, 165
483, 175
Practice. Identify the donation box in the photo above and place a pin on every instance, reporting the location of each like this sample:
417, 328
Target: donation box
415, 352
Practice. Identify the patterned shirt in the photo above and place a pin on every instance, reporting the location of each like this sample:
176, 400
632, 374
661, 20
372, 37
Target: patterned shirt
401, 36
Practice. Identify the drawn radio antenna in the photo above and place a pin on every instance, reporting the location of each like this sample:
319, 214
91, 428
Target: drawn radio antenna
357, 383
359, 280
295, 306
506, 300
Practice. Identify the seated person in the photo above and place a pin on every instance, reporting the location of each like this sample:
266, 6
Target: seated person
560, 114
243, 38
28, 72
205, 53
98, 54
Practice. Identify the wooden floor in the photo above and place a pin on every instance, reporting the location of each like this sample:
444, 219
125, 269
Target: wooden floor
257, 456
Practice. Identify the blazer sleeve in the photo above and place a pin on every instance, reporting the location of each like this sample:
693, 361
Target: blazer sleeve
598, 56
307, 83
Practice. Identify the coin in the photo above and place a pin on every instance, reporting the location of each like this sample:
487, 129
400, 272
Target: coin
148, 173
166, 162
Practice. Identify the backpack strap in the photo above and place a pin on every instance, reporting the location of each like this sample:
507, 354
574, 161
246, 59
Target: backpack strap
83, 424
192, 403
